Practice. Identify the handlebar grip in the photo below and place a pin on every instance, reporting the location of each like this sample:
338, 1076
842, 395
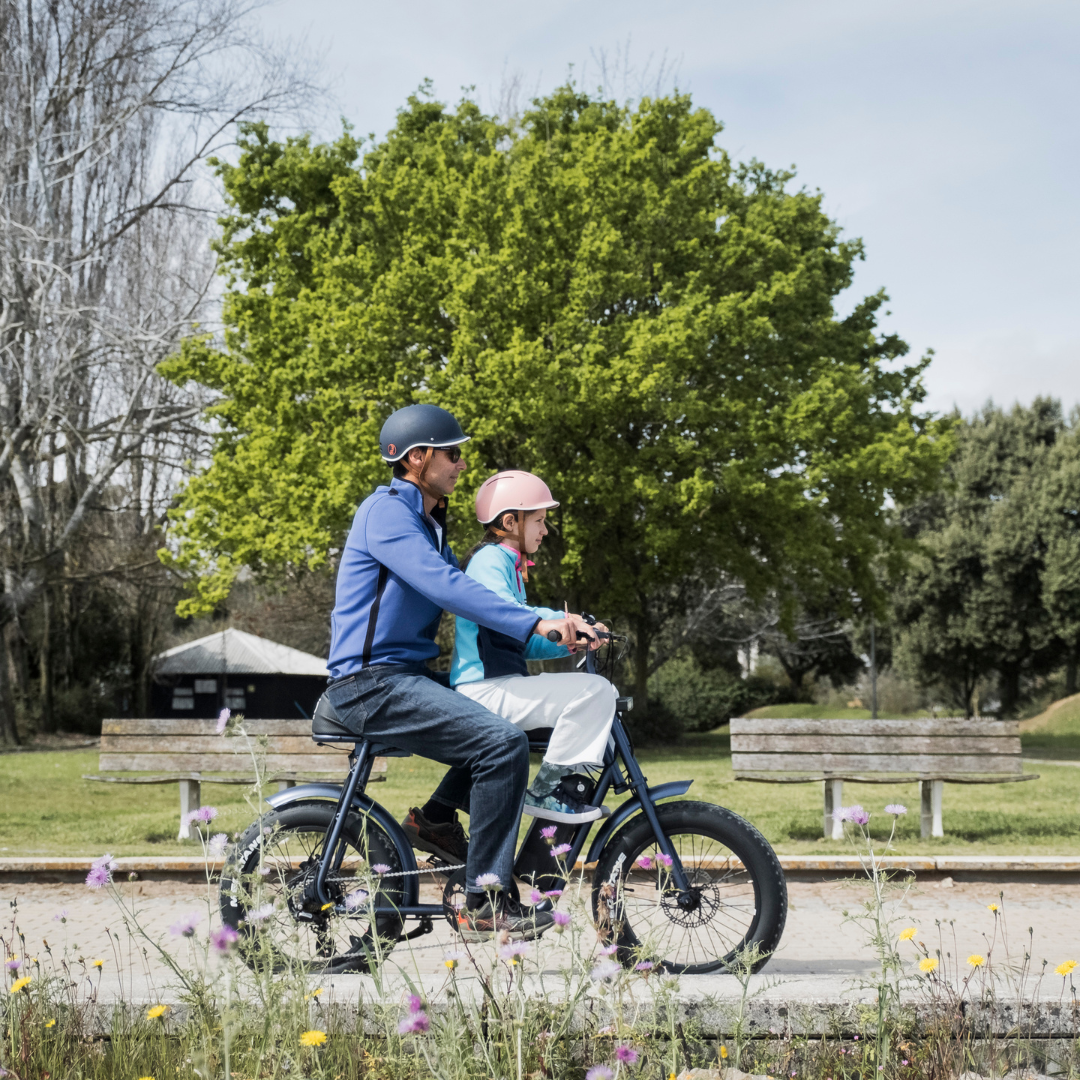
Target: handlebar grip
553, 635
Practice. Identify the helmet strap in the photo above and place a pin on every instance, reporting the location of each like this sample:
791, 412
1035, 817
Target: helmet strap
422, 484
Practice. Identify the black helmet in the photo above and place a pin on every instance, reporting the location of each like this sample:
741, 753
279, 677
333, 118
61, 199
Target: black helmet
418, 425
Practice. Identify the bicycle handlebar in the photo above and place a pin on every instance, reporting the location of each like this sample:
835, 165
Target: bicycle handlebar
554, 635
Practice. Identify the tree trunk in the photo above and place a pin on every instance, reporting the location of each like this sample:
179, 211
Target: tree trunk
1010, 690
641, 667
9, 732
45, 664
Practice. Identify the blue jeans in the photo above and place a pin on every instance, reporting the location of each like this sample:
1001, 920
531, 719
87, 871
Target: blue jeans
407, 706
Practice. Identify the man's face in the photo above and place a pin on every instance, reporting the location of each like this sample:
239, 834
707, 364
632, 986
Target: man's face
442, 473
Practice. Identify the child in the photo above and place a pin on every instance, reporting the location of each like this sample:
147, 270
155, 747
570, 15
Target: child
490, 668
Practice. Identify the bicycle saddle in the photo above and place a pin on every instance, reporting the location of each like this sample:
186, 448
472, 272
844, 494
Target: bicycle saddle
326, 727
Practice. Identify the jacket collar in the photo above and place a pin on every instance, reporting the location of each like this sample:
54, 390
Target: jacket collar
414, 497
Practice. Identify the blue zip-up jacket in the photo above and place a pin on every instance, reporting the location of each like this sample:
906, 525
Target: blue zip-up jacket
482, 652
397, 574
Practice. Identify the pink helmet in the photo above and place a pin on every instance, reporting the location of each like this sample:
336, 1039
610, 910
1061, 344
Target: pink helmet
513, 490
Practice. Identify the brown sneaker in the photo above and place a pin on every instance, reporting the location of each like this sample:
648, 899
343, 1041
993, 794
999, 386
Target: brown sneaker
506, 916
447, 841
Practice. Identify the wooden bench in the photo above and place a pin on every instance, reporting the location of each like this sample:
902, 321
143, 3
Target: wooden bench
184, 750
931, 752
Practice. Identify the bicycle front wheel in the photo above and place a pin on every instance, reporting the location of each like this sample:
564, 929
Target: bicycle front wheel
267, 892
734, 913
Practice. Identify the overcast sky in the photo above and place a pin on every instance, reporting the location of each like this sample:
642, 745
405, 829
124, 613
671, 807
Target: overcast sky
943, 133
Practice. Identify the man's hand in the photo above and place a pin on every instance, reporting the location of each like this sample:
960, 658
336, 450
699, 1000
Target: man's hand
564, 628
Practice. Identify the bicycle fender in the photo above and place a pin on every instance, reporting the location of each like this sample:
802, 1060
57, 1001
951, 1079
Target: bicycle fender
280, 800
631, 807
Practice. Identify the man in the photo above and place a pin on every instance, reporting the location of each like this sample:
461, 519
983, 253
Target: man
396, 577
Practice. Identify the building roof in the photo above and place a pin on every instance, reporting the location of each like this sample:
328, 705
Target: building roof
236, 652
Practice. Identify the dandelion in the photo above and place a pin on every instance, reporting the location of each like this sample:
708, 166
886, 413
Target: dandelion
605, 971
928, 964
513, 950
559, 850
223, 720
644, 965
548, 833
185, 927
489, 881
50, 1023
993, 907
976, 960
224, 938
259, 914
313, 994
313, 1038
723, 1051
1065, 968
354, 899
599, 1072
157, 1012
98, 964
645, 862
561, 919
896, 809
908, 934
380, 868
626, 1054
20, 984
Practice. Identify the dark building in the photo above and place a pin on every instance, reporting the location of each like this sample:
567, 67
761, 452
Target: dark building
243, 672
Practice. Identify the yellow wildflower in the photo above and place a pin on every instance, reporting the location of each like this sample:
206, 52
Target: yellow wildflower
927, 964
976, 960
146, 1078
908, 934
156, 1012
20, 984
313, 1038
451, 964
723, 1051
313, 994
993, 907
98, 963
50, 1023
1065, 969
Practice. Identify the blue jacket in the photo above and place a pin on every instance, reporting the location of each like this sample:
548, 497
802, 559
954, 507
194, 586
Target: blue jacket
481, 651
397, 574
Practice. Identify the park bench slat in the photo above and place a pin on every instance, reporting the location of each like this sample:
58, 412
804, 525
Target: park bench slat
972, 729
215, 745
181, 762
192, 726
926, 764
876, 744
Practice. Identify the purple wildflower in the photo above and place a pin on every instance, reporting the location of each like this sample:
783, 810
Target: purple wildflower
186, 926
13, 964
555, 893
61, 916
645, 862
513, 949
559, 850
536, 897
896, 809
854, 814
664, 860
224, 938
354, 899
549, 831
626, 1054
488, 881
380, 868
609, 950
561, 918
644, 965
599, 1072
413, 1023
204, 815
99, 877
223, 720
218, 843
415, 1003
259, 914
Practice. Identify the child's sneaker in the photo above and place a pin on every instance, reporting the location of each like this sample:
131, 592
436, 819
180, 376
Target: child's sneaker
580, 789
559, 806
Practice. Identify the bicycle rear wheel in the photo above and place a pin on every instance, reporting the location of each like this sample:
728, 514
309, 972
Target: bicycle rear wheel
267, 892
738, 896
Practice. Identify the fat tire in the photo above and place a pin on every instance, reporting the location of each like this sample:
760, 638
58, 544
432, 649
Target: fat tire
715, 823
243, 864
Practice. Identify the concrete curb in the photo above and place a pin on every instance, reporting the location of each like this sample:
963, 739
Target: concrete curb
1055, 869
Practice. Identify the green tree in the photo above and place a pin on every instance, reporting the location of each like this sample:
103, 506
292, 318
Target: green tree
970, 606
602, 297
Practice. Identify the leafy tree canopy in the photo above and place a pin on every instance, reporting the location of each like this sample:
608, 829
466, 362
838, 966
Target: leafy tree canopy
602, 297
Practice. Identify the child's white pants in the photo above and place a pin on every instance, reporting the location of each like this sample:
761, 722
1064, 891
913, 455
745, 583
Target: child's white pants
580, 707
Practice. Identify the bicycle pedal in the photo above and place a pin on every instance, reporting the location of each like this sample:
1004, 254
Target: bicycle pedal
426, 927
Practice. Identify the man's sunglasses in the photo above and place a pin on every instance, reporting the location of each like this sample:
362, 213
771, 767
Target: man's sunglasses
452, 452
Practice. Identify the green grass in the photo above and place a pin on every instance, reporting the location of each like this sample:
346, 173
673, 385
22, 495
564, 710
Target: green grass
50, 810
823, 712
1054, 733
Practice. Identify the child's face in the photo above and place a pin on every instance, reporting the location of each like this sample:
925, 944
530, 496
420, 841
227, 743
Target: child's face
535, 530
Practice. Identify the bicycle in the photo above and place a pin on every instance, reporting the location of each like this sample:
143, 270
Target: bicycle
688, 885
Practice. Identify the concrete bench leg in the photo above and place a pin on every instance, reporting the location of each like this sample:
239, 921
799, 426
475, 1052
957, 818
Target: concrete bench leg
930, 796
189, 800
284, 785
834, 799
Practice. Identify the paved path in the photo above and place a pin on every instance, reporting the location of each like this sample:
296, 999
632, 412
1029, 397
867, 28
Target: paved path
821, 956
